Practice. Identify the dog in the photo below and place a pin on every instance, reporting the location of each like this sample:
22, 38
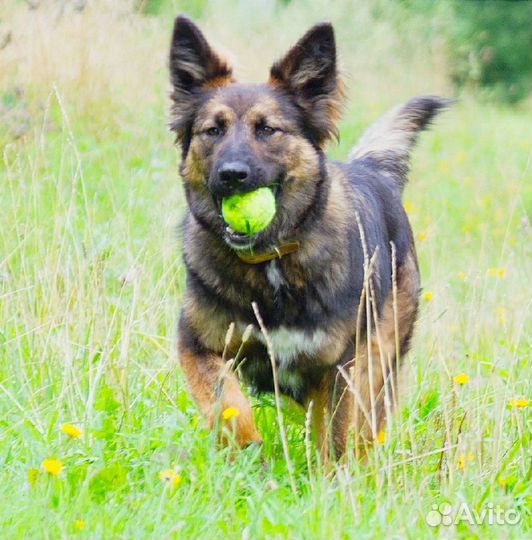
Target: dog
321, 305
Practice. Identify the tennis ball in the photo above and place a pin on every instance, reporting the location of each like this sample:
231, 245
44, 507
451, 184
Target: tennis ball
249, 213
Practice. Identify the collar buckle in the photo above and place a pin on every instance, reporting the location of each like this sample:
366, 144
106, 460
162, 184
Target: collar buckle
278, 252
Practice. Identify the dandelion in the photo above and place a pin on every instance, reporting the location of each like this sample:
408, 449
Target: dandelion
462, 276
519, 403
428, 296
71, 431
33, 475
381, 437
513, 188
79, 524
230, 412
52, 466
499, 215
487, 201
171, 477
461, 379
499, 273
501, 315
503, 482
422, 236
462, 461
409, 208
460, 156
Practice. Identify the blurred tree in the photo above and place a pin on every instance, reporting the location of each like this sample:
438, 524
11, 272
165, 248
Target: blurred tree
490, 46
194, 8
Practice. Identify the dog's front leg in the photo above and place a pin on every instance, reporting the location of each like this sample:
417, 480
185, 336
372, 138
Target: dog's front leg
216, 388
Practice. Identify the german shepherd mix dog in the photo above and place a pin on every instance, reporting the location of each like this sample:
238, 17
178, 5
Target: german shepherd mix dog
334, 277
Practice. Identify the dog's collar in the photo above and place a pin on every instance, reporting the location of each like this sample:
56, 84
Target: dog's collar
276, 253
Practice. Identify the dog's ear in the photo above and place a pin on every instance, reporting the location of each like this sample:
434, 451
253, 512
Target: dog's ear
194, 67
308, 72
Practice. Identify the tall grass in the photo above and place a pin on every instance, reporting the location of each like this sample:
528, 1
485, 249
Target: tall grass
91, 284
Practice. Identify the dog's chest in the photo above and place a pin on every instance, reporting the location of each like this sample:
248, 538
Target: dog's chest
293, 346
275, 276
289, 343
289, 346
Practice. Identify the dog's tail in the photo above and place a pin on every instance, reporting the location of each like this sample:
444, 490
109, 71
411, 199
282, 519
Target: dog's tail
390, 140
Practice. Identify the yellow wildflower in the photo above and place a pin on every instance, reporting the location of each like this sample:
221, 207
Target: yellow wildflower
513, 188
230, 412
497, 272
462, 276
501, 315
422, 236
409, 208
169, 476
464, 460
71, 431
503, 482
79, 524
499, 215
460, 156
428, 296
33, 474
461, 379
519, 403
381, 437
52, 466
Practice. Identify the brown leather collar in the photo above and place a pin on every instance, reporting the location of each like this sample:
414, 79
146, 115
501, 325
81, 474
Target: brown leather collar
275, 253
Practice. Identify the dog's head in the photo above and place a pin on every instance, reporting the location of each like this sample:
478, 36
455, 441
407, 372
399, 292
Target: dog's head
236, 137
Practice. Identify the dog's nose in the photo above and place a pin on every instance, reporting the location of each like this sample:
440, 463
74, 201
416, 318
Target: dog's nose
233, 174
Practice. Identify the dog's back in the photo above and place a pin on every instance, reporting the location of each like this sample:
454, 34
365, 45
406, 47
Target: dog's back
377, 171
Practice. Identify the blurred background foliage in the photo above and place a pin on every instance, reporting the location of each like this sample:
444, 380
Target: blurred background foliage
490, 47
488, 41
102, 52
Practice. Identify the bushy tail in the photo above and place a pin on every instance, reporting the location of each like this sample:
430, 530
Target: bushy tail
390, 140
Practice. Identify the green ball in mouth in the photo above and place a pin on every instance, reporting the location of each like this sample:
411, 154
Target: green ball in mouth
249, 213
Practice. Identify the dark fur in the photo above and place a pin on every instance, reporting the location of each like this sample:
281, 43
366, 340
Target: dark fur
315, 292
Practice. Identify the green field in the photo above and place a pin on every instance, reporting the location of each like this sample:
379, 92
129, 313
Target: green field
91, 283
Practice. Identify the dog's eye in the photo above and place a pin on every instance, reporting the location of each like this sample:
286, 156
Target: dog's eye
263, 130
213, 132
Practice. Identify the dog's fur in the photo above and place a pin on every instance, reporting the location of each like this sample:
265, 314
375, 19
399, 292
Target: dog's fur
340, 310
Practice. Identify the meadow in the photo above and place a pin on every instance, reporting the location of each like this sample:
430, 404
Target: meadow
98, 435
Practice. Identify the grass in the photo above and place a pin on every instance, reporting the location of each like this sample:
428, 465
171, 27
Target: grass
91, 283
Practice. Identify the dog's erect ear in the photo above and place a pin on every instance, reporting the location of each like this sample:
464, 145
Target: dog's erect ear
194, 66
308, 72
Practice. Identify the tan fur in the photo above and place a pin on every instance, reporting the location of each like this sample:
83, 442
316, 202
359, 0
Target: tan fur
218, 82
215, 389
361, 402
